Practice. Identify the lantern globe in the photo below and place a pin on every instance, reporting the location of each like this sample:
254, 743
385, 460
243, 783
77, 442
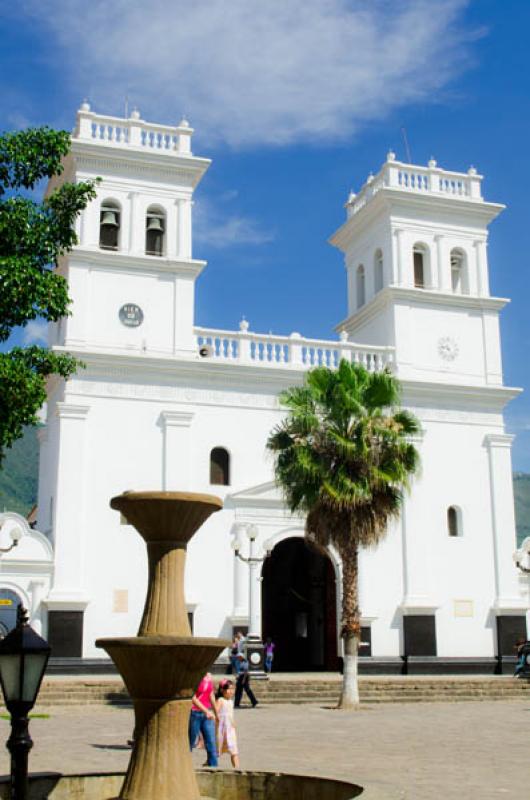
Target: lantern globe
23, 659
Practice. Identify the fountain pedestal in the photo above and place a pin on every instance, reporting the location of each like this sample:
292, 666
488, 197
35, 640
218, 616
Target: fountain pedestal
162, 666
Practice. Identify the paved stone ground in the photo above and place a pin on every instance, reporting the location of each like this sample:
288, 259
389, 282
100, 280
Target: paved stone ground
424, 751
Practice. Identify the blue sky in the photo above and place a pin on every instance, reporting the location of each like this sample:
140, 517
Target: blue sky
296, 103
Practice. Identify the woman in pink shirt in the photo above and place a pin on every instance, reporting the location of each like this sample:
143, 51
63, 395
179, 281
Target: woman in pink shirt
202, 718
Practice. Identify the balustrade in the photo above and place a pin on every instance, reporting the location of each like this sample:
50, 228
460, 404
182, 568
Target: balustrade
132, 132
430, 180
294, 351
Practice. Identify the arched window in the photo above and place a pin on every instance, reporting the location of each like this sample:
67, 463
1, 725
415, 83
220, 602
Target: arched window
155, 228
361, 293
109, 225
419, 256
220, 467
454, 521
378, 271
458, 272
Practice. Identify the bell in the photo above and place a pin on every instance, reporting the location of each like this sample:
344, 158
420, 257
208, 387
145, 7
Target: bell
155, 224
109, 218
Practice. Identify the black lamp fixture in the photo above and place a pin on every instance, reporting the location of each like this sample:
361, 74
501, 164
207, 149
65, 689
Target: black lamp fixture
23, 659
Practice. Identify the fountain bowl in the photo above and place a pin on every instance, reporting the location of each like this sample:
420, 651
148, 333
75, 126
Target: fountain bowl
213, 785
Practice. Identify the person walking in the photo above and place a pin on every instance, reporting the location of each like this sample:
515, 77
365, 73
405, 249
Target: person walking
235, 652
243, 683
226, 731
202, 719
269, 654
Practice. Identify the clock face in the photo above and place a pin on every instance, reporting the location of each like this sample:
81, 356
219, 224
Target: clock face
255, 658
131, 315
447, 348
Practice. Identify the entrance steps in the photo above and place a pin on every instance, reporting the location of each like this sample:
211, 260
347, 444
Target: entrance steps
319, 688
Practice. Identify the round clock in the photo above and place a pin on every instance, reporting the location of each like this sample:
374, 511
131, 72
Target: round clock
255, 658
447, 348
131, 315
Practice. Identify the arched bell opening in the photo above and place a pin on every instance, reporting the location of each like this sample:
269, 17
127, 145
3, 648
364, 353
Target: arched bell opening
299, 608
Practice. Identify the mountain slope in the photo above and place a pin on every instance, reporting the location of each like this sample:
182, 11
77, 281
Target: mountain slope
19, 474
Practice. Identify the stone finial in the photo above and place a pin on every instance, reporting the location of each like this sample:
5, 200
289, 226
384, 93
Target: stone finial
85, 105
295, 335
472, 170
184, 123
135, 113
370, 178
432, 163
343, 336
390, 156
351, 196
243, 325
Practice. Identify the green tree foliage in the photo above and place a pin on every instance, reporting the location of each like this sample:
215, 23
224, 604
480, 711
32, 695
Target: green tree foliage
344, 456
33, 236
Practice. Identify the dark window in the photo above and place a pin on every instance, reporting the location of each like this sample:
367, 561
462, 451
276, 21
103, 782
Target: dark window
109, 226
219, 467
419, 274
452, 521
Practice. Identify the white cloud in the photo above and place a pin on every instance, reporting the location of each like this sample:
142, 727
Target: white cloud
250, 72
36, 331
213, 226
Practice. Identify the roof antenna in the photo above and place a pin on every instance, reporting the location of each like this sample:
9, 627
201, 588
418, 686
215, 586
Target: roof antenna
407, 148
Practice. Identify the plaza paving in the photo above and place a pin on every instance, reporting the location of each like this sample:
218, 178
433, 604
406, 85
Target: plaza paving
421, 751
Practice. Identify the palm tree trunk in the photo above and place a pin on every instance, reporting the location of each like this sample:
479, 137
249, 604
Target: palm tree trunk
351, 626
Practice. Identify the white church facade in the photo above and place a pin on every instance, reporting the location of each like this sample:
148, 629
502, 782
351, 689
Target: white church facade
164, 404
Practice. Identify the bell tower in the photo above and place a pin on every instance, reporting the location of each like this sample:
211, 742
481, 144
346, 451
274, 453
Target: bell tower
132, 275
414, 244
131, 279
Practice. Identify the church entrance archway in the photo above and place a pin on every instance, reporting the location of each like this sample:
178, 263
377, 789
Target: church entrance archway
299, 607
9, 602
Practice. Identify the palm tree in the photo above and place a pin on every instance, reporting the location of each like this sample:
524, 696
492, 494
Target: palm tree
344, 456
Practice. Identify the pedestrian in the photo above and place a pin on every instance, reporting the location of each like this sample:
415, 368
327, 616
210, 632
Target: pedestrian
235, 651
269, 654
243, 683
202, 719
521, 657
226, 731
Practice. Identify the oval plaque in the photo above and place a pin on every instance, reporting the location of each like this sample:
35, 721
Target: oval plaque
131, 315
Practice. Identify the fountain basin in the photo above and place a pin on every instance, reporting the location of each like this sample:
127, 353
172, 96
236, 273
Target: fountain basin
213, 785
162, 666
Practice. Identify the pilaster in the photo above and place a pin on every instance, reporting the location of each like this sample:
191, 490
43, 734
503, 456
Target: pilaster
507, 593
176, 450
68, 525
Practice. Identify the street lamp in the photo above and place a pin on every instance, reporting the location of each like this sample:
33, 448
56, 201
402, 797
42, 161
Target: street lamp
254, 646
16, 535
23, 658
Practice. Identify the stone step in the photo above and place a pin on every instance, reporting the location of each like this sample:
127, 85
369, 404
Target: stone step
293, 690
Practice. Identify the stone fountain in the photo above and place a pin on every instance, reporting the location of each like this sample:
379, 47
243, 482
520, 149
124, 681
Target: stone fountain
162, 666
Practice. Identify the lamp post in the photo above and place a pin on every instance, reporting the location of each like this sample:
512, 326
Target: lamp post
254, 646
23, 658
16, 535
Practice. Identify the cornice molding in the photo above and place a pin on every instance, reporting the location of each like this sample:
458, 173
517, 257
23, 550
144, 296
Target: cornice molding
176, 419
109, 260
498, 440
71, 411
493, 398
423, 297
392, 200
94, 155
